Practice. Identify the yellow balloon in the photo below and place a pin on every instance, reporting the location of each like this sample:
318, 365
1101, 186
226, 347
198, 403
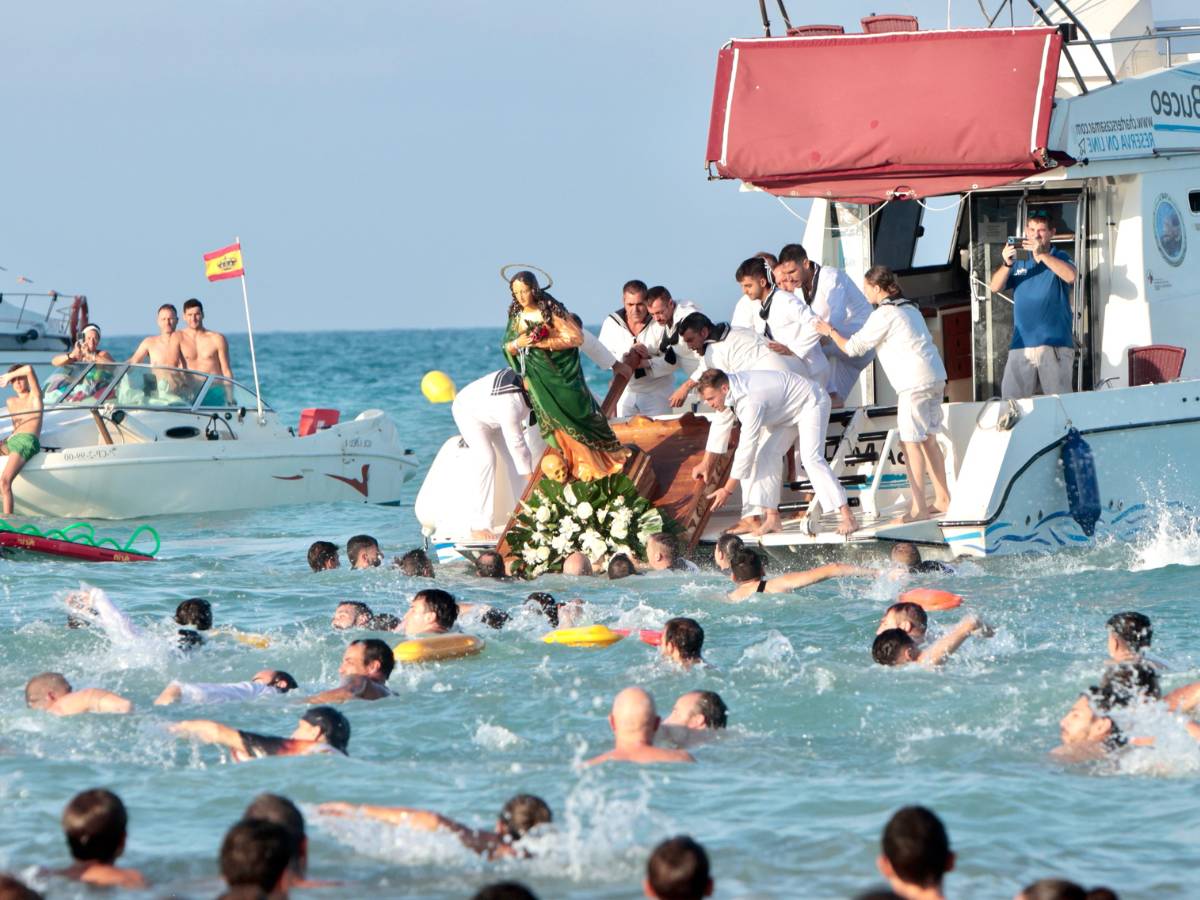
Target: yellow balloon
437, 387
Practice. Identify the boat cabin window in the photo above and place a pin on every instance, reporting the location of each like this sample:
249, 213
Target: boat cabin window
80, 384
1194, 201
158, 387
225, 394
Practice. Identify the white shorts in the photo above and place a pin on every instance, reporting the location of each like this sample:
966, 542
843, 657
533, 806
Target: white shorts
919, 412
1028, 368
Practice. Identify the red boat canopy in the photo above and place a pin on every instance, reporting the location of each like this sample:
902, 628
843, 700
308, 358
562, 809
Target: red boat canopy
872, 117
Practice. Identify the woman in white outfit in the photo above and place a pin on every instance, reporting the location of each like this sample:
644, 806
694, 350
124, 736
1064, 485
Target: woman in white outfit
896, 330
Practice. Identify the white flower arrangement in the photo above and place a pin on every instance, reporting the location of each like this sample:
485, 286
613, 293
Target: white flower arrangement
596, 517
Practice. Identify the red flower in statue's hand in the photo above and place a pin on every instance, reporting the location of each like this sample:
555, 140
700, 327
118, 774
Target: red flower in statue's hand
538, 333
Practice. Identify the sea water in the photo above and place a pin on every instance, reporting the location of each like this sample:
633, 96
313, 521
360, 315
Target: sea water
822, 747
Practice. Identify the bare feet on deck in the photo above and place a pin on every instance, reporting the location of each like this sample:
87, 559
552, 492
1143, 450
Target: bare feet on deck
770, 523
847, 524
745, 526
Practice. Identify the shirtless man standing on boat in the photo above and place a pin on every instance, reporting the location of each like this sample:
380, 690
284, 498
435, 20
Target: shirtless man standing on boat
23, 444
203, 350
163, 349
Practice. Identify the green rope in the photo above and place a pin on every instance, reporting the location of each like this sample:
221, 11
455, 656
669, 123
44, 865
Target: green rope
88, 537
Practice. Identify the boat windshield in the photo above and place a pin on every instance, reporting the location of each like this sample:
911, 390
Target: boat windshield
143, 386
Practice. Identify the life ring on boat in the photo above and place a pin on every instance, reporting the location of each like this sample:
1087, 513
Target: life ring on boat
931, 599
585, 636
436, 647
79, 316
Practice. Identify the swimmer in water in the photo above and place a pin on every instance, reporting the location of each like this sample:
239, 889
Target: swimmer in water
366, 667
255, 856
910, 618
520, 816
321, 729
749, 576
267, 683
1129, 636
52, 693
725, 548
678, 869
682, 641
577, 564
490, 564
323, 556
662, 554
432, 611
559, 615
896, 647
285, 813
907, 558
362, 551
915, 854
634, 722
352, 614
695, 718
91, 606
415, 564
95, 824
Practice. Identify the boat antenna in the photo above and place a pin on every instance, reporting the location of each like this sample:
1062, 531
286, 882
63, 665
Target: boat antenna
787, 23
250, 335
762, 8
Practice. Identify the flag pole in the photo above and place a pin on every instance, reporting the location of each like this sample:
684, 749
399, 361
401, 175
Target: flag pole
250, 334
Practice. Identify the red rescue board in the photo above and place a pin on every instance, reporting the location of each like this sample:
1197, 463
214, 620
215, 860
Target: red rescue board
29, 543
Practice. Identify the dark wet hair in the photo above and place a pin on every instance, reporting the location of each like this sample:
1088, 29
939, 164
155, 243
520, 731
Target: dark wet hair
320, 553
678, 869
746, 565
194, 612
12, 888
383, 622
523, 813
1133, 628
1126, 683
416, 563
285, 813
1053, 889
729, 544
489, 564
695, 322
620, 566
668, 543
546, 304
915, 843
633, 286
914, 612
548, 605
792, 253
283, 681
360, 610
890, 646
255, 853
494, 618
905, 553
754, 267
375, 650
658, 292
685, 635
335, 728
189, 639
710, 705
443, 604
357, 544
95, 824
504, 890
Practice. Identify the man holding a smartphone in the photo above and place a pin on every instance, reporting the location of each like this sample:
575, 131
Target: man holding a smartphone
1042, 352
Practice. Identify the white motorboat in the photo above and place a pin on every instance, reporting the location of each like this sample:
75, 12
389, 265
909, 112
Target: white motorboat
123, 441
35, 327
925, 151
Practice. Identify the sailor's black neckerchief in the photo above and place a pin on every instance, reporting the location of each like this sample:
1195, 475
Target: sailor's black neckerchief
811, 292
621, 317
667, 345
509, 382
719, 332
898, 301
765, 312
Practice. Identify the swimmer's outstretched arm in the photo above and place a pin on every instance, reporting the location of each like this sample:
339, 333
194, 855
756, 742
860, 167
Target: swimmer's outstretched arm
170, 694
91, 700
937, 653
792, 580
1184, 699
209, 732
420, 819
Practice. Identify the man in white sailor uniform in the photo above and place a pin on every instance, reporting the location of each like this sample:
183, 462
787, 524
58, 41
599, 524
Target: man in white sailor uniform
492, 413
728, 349
787, 323
836, 299
669, 313
633, 337
774, 409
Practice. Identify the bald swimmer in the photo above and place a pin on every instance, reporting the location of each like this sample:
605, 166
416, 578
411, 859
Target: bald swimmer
634, 722
52, 693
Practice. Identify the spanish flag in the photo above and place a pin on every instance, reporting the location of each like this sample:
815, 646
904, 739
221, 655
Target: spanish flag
224, 263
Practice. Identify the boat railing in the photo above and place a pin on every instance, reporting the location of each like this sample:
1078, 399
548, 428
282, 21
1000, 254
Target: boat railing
47, 313
139, 386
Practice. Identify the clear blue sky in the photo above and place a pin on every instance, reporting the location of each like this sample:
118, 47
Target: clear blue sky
380, 160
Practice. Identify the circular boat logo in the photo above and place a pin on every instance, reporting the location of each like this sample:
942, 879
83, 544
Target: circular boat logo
1168, 230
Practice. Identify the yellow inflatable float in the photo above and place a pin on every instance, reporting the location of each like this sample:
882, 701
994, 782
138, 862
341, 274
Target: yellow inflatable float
437, 647
584, 636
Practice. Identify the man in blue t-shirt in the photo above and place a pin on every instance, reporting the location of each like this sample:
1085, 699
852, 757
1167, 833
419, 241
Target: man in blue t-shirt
1042, 351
